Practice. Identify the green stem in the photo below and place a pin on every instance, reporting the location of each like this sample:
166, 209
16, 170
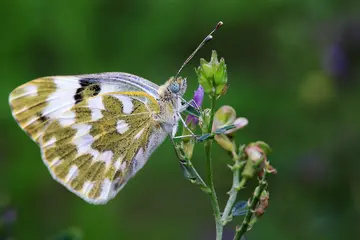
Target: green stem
193, 175
189, 170
253, 203
210, 182
212, 193
236, 187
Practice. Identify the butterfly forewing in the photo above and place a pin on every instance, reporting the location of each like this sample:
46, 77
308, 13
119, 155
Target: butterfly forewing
94, 135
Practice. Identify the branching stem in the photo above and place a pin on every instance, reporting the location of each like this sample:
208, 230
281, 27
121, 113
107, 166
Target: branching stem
210, 182
253, 203
236, 187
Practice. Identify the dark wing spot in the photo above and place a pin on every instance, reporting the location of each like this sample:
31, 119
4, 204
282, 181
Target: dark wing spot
84, 82
42, 118
89, 88
78, 96
95, 88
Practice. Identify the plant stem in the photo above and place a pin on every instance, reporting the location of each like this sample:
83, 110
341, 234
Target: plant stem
212, 193
210, 182
254, 201
193, 175
236, 187
189, 170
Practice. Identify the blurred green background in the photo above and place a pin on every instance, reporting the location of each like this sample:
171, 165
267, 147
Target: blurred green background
294, 70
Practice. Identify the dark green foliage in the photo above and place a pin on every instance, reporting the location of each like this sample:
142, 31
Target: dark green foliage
275, 52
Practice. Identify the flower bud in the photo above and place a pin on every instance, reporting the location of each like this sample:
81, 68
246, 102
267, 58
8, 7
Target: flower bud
187, 145
225, 142
263, 204
199, 95
191, 120
188, 148
269, 168
264, 147
212, 75
255, 154
204, 81
226, 116
208, 69
248, 171
204, 120
220, 77
255, 157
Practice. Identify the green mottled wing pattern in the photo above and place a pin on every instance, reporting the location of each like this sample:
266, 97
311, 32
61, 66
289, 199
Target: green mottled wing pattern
93, 136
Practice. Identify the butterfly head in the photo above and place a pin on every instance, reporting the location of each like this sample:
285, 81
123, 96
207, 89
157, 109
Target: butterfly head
177, 86
173, 88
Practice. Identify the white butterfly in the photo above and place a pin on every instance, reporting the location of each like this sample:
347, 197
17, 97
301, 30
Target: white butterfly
96, 131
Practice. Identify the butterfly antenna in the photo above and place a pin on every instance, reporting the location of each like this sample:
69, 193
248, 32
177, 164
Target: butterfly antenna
208, 38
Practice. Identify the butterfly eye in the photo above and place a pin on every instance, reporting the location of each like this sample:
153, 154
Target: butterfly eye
174, 87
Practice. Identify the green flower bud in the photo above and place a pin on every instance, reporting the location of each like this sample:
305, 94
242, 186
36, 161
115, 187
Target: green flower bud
203, 80
249, 170
188, 148
212, 75
219, 89
226, 116
221, 74
225, 142
188, 143
263, 146
214, 59
220, 77
207, 68
186, 132
204, 120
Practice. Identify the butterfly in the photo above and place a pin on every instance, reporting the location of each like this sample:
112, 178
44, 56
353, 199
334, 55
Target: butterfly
96, 131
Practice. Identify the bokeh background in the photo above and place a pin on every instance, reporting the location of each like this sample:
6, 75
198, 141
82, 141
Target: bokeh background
294, 70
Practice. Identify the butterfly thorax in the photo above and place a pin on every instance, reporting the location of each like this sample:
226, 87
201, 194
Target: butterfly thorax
169, 102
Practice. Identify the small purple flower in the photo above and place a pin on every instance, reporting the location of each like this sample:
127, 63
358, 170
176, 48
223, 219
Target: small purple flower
198, 98
336, 61
199, 95
8, 216
342, 56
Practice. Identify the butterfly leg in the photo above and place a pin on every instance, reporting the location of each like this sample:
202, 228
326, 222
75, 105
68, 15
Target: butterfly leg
216, 132
184, 136
189, 103
186, 126
193, 103
175, 148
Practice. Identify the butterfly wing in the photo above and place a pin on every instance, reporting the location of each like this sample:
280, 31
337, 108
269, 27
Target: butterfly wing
94, 135
36, 102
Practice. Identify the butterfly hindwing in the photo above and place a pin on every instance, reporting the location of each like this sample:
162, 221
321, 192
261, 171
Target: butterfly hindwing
93, 136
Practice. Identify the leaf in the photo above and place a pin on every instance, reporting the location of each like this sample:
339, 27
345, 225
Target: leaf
187, 172
224, 129
192, 111
203, 137
240, 208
